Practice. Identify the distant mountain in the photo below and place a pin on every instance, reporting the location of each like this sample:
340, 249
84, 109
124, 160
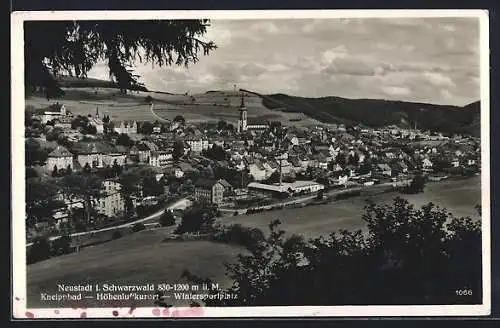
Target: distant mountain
377, 113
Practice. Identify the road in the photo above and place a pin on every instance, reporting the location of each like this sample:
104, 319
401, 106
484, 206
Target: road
180, 204
151, 108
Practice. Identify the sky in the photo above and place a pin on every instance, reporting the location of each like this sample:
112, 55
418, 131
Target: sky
432, 60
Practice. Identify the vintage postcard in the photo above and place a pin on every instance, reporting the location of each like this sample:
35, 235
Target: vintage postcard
250, 164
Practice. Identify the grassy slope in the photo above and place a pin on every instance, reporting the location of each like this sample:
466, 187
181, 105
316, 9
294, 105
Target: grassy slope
81, 98
142, 257
135, 259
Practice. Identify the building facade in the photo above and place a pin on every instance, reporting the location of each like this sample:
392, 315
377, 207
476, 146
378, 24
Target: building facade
160, 158
209, 190
197, 145
127, 127
109, 159
111, 203
60, 158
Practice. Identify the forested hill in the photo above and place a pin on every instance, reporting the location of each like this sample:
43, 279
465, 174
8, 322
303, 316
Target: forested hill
377, 113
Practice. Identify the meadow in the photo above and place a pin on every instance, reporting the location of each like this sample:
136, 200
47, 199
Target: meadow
143, 257
210, 106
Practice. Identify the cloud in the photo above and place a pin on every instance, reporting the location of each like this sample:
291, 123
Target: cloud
330, 55
267, 27
396, 91
416, 59
439, 79
349, 66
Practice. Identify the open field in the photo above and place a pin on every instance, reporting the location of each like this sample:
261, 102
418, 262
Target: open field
138, 258
211, 106
458, 196
143, 257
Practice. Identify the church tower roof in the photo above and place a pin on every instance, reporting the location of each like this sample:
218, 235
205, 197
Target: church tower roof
242, 105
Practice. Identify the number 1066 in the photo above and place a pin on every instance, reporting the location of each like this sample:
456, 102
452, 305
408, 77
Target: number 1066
463, 292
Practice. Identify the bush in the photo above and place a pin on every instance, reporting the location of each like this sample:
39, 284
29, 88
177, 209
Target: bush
240, 235
39, 251
138, 227
61, 245
167, 219
416, 186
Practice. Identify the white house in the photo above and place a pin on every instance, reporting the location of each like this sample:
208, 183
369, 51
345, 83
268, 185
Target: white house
257, 171
54, 112
109, 159
160, 158
178, 172
111, 203
60, 158
427, 164
126, 127
197, 145
384, 169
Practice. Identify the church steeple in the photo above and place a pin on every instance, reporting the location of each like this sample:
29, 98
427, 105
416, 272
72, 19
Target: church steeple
97, 112
242, 105
242, 122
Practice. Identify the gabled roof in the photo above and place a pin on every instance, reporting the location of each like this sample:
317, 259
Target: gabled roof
225, 183
205, 183
383, 166
60, 151
93, 148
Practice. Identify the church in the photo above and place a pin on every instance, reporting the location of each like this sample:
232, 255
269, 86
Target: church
245, 124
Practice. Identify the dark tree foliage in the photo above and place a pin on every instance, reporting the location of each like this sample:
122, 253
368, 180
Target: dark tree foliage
34, 154
146, 128
39, 251
40, 199
152, 187
178, 151
409, 256
180, 119
197, 218
124, 140
85, 186
167, 219
61, 245
448, 119
216, 153
74, 47
416, 186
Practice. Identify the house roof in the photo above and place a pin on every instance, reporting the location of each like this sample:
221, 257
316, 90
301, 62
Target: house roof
225, 183
126, 123
54, 107
383, 166
93, 148
60, 151
205, 183
252, 121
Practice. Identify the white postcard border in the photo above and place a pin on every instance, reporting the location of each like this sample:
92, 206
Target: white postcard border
20, 310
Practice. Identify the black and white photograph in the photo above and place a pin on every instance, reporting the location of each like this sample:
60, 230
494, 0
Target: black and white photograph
273, 163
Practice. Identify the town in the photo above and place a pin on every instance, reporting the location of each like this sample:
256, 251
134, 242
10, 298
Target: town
91, 172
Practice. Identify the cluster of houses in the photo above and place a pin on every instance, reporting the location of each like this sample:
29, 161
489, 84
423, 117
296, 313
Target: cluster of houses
334, 152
